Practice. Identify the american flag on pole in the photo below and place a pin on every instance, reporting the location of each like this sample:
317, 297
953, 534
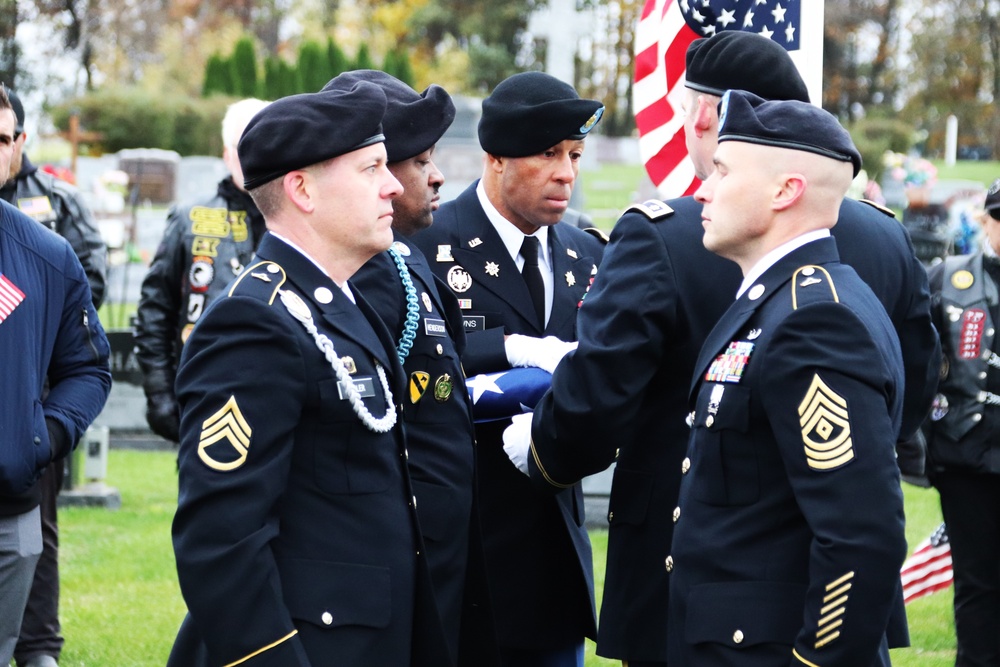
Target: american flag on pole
928, 570
10, 297
666, 28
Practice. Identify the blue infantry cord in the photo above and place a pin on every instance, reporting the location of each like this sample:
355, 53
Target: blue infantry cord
412, 308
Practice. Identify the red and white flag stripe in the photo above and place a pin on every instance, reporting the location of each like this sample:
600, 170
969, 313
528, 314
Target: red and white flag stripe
929, 569
661, 41
10, 297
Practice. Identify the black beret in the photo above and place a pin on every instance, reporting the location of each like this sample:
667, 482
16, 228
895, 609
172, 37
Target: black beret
785, 124
303, 130
533, 111
744, 61
992, 204
413, 122
15, 102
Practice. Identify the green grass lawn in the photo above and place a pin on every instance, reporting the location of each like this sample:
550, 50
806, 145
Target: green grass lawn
121, 606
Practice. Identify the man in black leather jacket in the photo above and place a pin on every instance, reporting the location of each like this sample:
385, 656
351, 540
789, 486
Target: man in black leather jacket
57, 205
206, 244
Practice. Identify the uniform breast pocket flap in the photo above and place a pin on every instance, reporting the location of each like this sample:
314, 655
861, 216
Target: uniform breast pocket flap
333, 595
741, 615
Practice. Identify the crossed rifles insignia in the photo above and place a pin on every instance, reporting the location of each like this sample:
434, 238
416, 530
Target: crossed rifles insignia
228, 435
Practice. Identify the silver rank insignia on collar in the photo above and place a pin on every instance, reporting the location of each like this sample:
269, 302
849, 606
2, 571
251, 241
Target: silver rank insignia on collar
475, 242
493, 269
570, 278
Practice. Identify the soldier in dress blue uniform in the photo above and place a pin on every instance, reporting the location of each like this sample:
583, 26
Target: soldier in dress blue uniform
519, 277
424, 320
622, 395
788, 533
296, 536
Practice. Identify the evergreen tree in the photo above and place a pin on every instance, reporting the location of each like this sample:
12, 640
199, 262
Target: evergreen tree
336, 58
364, 59
218, 77
243, 64
314, 68
399, 60
291, 81
271, 86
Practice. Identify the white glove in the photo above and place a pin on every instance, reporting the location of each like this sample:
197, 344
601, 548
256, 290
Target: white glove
517, 441
544, 353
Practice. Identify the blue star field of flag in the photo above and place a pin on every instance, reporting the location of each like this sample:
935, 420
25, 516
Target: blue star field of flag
775, 19
507, 393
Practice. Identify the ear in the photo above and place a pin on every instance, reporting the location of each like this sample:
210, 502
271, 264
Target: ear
298, 188
791, 187
706, 116
495, 163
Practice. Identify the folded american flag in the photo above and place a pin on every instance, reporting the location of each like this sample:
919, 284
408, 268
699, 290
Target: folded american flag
928, 570
507, 393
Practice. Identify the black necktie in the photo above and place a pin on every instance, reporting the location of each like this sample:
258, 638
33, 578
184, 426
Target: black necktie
533, 276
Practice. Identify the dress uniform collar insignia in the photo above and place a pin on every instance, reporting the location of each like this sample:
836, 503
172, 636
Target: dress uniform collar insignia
570, 279
475, 242
401, 248
323, 295
493, 269
444, 254
756, 292
572, 253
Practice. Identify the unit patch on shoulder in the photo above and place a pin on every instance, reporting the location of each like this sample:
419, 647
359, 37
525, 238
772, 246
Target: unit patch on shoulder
888, 211
225, 438
653, 209
826, 427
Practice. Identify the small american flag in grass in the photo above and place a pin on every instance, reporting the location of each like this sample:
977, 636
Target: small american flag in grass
928, 570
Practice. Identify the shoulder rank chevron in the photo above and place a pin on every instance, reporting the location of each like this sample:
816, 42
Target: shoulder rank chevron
653, 209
